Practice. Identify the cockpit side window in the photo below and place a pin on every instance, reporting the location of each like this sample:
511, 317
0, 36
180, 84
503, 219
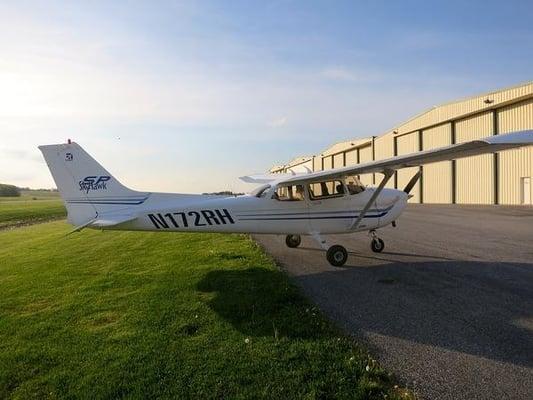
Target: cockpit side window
289, 193
326, 189
354, 185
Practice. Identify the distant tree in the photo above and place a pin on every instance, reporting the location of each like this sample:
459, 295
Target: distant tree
9, 190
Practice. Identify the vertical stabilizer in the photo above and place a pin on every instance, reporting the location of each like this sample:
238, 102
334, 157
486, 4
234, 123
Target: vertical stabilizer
86, 187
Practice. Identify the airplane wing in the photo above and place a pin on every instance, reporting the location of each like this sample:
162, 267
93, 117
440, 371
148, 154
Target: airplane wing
268, 178
490, 144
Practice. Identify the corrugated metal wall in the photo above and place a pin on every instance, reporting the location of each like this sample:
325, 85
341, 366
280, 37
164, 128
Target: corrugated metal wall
408, 144
317, 163
437, 177
351, 157
338, 160
365, 155
514, 164
384, 148
328, 162
475, 175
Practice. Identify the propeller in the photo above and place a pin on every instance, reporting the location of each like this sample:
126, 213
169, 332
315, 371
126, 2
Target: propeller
412, 182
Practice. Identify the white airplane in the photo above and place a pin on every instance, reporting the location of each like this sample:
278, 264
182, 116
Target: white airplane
316, 203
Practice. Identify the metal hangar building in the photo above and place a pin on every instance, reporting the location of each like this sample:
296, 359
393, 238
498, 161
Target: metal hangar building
504, 178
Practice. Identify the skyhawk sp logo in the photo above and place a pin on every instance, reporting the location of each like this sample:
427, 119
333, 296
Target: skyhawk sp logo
94, 183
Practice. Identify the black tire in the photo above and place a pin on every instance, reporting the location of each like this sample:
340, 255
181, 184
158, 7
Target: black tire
293, 241
337, 255
377, 245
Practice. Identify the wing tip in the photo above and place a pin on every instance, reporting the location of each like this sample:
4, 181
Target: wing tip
517, 137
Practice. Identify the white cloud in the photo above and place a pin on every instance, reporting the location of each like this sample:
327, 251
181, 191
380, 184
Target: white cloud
278, 122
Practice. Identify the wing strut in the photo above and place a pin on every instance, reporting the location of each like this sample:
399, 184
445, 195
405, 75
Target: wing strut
386, 176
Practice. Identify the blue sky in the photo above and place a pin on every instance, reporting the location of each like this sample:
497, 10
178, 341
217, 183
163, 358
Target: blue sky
186, 96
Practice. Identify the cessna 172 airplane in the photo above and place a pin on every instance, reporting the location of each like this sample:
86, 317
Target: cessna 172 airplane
314, 203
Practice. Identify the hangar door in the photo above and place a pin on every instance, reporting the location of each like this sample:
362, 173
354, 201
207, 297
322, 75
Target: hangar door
437, 177
317, 163
474, 175
514, 164
338, 160
365, 155
526, 191
384, 148
408, 144
328, 162
351, 157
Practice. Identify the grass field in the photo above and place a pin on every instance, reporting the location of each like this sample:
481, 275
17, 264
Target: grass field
31, 207
126, 314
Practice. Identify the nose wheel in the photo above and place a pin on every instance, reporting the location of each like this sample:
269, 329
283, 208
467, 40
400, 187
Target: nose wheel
293, 241
377, 244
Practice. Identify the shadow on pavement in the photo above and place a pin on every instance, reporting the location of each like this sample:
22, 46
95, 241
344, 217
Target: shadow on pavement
478, 308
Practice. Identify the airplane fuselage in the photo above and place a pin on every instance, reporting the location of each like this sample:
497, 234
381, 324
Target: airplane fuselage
252, 214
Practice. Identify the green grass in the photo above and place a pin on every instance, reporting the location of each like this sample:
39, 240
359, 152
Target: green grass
137, 315
31, 207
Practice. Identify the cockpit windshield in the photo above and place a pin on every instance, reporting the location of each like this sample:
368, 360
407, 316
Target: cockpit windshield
354, 185
260, 191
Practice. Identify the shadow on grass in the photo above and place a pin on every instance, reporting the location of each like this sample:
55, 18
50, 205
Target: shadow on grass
261, 302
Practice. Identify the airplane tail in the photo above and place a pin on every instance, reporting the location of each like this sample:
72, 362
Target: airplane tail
88, 189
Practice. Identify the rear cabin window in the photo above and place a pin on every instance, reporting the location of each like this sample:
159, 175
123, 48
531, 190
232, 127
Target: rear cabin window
289, 193
326, 189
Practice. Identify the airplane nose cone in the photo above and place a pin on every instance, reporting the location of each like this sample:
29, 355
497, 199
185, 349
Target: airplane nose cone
391, 196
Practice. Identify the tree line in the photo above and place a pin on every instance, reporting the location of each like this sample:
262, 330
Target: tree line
9, 190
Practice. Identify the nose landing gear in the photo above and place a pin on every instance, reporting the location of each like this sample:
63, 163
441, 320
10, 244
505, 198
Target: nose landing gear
377, 244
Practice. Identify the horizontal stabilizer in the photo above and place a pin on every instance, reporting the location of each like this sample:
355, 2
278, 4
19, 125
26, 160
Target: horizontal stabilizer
105, 221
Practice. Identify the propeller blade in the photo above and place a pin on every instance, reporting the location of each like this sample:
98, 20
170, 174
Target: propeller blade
412, 182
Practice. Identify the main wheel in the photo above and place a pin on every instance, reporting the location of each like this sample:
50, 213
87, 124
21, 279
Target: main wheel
377, 245
293, 241
337, 255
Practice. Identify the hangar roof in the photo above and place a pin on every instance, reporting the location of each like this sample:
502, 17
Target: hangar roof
348, 145
276, 168
299, 160
462, 108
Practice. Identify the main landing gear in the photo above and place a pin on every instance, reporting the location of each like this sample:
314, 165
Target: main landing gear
336, 254
293, 241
